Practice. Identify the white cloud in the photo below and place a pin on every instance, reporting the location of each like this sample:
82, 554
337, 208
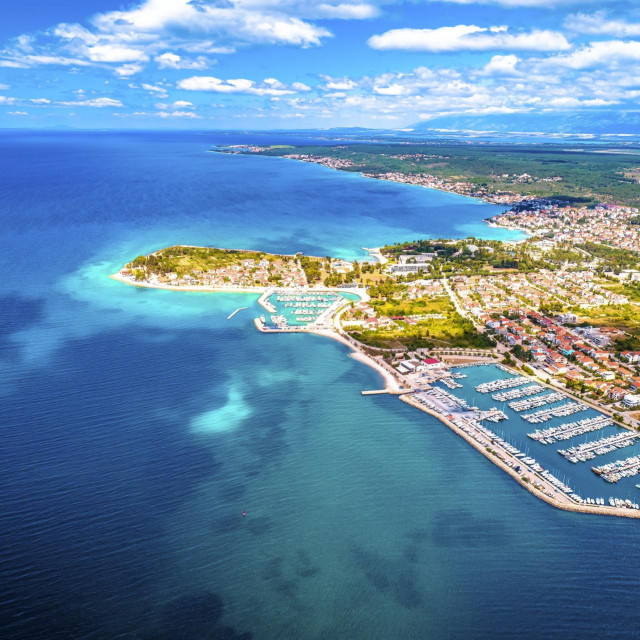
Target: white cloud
348, 11
552, 4
6, 100
391, 90
114, 53
501, 65
338, 84
40, 100
4, 87
243, 22
18, 61
270, 86
607, 52
599, 24
92, 102
127, 70
17, 113
183, 104
171, 60
152, 88
468, 38
300, 86
178, 114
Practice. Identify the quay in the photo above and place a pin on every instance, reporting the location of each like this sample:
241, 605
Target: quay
393, 392
236, 311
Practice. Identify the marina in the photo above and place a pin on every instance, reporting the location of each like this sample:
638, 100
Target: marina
305, 308
562, 411
536, 457
514, 394
589, 450
570, 430
534, 403
499, 384
614, 471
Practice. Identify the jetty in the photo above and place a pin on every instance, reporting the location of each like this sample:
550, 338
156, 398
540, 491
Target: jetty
589, 450
236, 311
562, 411
614, 471
570, 430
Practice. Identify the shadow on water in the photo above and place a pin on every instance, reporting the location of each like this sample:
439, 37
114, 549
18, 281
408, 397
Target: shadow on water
194, 617
397, 578
462, 528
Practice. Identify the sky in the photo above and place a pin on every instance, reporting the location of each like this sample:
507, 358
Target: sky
294, 64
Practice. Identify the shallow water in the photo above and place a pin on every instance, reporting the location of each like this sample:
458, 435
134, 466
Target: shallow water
138, 425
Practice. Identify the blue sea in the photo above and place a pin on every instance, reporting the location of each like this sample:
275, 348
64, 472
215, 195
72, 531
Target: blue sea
138, 425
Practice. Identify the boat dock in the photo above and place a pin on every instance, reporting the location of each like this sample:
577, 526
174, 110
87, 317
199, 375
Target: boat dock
570, 430
589, 450
538, 401
614, 471
514, 394
236, 311
504, 383
563, 410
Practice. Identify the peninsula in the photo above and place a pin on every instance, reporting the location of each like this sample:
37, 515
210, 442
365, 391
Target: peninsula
520, 322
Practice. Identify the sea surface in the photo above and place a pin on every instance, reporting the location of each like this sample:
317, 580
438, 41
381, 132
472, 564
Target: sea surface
137, 425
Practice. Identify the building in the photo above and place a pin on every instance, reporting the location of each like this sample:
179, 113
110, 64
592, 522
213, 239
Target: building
631, 400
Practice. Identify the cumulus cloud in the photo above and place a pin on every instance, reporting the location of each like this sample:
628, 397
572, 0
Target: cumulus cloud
501, 65
127, 70
152, 88
468, 38
115, 53
600, 24
178, 114
269, 87
606, 52
170, 60
92, 102
338, 84
347, 11
170, 30
183, 104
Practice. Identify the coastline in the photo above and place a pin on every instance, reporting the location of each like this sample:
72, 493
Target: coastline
364, 175
565, 506
393, 386
168, 287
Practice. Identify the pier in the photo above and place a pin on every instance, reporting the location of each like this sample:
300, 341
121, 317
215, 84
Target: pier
514, 394
563, 410
614, 471
570, 430
589, 450
504, 383
236, 311
539, 401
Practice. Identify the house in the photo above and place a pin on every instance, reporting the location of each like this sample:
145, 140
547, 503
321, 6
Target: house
432, 363
631, 400
617, 393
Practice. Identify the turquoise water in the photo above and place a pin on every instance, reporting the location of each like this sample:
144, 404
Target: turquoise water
579, 475
138, 425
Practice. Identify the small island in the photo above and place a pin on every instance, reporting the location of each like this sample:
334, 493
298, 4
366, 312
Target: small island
532, 331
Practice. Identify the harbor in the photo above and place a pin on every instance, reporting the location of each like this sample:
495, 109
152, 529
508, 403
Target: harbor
510, 443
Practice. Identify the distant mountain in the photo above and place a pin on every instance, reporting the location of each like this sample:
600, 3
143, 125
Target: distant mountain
597, 123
